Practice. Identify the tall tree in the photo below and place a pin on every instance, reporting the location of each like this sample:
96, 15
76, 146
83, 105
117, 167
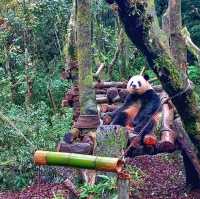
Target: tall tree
138, 19
71, 48
177, 43
87, 93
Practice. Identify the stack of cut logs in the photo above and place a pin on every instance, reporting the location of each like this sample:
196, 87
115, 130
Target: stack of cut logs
110, 96
71, 99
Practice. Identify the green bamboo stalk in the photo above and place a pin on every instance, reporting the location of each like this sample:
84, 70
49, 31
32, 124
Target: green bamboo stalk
78, 161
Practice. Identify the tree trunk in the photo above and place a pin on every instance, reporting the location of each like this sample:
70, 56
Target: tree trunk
177, 44
116, 55
11, 75
27, 60
190, 45
138, 20
88, 108
87, 93
165, 24
51, 98
123, 55
29, 81
71, 62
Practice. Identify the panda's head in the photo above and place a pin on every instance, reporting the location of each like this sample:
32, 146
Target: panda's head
138, 84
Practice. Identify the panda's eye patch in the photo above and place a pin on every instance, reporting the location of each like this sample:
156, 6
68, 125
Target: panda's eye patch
131, 83
139, 83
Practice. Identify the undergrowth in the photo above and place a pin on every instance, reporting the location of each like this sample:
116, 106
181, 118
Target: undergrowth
105, 188
22, 132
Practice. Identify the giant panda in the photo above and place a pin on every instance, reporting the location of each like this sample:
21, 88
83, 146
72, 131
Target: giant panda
140, 107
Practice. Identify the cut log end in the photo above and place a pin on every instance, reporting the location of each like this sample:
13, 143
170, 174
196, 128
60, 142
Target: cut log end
107, 119
107, 108
167, 143
150, 139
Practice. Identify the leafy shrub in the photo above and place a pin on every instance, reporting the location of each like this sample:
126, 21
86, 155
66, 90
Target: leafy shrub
41, 130
106, 187
194, 75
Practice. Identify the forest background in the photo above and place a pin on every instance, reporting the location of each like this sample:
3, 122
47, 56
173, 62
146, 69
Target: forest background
32, 57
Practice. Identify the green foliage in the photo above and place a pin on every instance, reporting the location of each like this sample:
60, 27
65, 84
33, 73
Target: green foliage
191, 17
106, 187
136, 173
194, 74
58, 195
41, 28
40, 128
106, 30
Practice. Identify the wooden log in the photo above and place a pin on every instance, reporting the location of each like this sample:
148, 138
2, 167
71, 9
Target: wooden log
146, 150
87, 122
65, 103
101, 100
190, 155
100, 91
134, 140
101, 67
74, 193
137, 146
101, 85
107, 108
107, 119
123, 93
82, 148
112, 94
168, 136
70, 136
123, 183
86, 146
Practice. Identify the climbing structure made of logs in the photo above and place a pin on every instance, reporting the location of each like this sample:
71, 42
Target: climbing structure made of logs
109, 97
114, 141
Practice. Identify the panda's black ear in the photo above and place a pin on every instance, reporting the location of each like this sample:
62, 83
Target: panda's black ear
129, 77
146, 77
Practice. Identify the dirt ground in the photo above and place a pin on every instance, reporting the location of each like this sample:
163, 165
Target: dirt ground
162, 178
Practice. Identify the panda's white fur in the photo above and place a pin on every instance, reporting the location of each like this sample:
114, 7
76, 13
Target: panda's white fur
138, 84
140, 105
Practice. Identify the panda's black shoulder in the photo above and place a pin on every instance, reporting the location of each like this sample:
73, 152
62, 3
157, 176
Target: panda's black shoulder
150, 96
131, 98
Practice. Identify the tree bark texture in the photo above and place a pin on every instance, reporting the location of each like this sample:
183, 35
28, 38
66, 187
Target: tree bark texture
71, 48
87, 93
123, 56
177, 43
123, 185
190, 45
